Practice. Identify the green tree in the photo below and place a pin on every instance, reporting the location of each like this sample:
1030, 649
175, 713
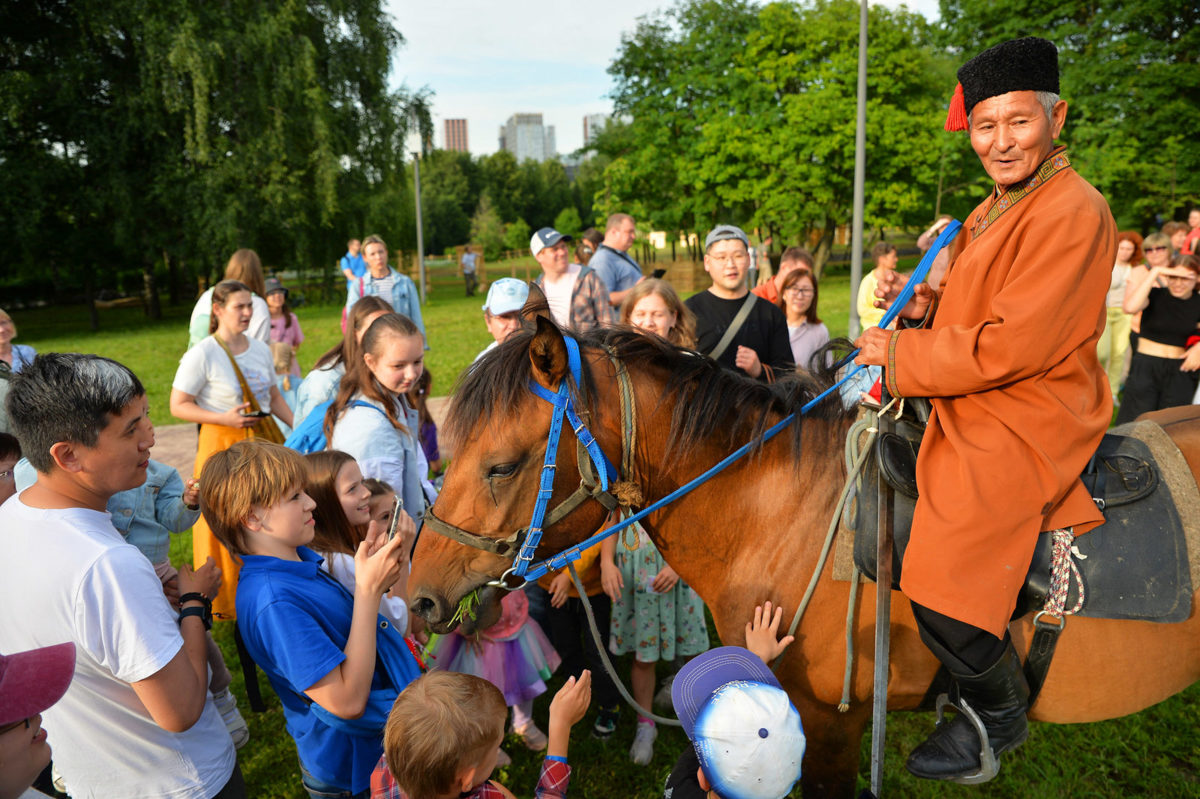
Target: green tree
487, 229
517, 235
1131, 77
568, 222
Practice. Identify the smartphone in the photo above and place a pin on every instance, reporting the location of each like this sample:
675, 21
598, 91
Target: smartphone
397, 509
256, 414
658, 273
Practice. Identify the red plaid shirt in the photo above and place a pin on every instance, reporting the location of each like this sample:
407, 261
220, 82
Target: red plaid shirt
552, 784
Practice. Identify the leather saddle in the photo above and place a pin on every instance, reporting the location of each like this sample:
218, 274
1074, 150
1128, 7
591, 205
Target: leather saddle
1134, 566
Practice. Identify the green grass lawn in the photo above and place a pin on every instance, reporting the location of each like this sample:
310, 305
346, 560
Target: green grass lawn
1153, 754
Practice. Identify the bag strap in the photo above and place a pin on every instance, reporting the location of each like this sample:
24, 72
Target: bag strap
734, 326
247, 394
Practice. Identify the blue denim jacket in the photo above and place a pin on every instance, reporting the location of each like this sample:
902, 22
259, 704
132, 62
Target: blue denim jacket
146, 515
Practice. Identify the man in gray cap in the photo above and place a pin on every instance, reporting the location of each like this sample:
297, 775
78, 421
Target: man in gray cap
1006, 351
734, 327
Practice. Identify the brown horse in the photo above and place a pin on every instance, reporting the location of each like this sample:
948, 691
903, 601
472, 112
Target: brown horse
751, 534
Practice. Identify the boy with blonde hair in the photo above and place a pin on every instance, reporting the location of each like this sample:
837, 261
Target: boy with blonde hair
444, 734
336, 664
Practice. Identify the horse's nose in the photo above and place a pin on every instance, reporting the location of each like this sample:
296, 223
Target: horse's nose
430, 608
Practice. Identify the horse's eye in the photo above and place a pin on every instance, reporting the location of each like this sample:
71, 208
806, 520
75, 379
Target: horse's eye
502, 470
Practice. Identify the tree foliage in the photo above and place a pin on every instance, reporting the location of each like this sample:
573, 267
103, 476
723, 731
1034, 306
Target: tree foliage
162, 131
747, 114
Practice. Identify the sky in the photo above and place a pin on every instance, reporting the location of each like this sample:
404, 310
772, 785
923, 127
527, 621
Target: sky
487, 60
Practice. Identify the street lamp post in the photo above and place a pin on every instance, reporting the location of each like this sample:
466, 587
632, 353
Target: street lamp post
420, 227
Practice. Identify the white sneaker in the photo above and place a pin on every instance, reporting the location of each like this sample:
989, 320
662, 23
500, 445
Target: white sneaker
663, 697
643, 743
236, 725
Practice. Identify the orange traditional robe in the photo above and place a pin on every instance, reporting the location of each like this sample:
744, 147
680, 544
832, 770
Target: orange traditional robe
1020, 401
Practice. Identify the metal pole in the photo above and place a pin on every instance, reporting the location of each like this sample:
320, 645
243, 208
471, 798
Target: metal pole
860, 174
420, 229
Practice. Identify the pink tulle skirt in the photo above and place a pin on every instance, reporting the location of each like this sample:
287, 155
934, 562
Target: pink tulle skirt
518, 664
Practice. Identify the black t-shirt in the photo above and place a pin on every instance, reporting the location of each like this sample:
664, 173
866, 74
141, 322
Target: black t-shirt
764, 331
1170, 320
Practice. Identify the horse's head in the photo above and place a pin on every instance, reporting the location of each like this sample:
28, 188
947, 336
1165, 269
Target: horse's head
499, 430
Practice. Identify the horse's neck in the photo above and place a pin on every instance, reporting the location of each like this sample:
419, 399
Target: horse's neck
763, 517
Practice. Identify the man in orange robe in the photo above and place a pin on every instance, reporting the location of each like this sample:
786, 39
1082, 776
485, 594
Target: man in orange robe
1006, 350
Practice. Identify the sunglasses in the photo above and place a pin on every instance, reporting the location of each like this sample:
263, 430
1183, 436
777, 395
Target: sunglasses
14, 725
1155, 249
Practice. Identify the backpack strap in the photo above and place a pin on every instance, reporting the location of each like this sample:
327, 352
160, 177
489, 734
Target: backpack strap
734, 326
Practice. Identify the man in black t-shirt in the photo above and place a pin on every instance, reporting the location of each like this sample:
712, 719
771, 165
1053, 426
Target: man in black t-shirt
759, 344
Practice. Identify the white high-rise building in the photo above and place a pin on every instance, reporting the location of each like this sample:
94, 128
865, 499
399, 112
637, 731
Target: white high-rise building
592, 125
527, 138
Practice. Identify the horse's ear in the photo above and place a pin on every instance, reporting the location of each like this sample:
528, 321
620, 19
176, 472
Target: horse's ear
548, 354
536, 305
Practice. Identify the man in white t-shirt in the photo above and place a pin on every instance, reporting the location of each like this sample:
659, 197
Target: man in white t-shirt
577, 297
137, 720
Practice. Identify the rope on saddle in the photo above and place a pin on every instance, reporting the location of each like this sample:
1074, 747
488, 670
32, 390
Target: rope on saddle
1046, 632
603, 650
1062, 569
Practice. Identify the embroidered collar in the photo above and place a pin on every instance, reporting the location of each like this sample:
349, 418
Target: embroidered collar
1055, 162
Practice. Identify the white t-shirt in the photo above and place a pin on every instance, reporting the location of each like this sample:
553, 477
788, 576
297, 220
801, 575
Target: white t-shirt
206, 373
67, 575
558, 294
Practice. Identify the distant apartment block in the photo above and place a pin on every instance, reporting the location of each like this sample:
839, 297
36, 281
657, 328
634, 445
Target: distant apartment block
527, 138
456, 135
592, 125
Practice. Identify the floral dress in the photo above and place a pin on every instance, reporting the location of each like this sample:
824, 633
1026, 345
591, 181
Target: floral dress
654, 626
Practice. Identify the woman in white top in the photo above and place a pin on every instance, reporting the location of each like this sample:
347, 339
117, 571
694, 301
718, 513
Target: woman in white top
245, 267
341, 519
1114, 342
371, 419
207, 390
321, 384
806, 332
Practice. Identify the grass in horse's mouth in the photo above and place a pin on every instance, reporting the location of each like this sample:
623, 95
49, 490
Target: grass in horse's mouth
468, 607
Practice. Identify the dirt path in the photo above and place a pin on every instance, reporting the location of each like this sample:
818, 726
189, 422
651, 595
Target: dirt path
175, 444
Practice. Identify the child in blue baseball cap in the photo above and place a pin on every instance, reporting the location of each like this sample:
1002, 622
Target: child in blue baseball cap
747, 738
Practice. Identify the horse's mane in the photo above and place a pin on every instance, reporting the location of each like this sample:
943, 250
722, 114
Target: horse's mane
708, 399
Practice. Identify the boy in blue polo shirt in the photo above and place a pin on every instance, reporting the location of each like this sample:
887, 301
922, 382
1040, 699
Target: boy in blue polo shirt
336, 664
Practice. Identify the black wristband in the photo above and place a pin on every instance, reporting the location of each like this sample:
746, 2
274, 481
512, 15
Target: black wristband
196, 596
204, 614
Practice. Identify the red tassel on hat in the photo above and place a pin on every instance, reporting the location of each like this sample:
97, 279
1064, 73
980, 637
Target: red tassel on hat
956, 118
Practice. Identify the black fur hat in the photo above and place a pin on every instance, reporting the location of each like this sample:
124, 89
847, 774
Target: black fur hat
1028, 64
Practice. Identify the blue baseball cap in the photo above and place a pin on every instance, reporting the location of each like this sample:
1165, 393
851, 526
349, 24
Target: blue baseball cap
506, 295
746, 733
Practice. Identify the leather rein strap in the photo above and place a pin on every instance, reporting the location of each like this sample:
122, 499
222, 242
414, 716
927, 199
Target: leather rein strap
596, 472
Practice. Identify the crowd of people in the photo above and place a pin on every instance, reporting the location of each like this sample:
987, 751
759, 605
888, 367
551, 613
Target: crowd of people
308, 492
306, 546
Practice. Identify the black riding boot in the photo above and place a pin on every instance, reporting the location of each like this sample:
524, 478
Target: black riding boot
998, 698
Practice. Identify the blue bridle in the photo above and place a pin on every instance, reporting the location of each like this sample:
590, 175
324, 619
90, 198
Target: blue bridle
523, 568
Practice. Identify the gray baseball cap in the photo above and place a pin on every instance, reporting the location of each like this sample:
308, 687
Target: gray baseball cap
724, 233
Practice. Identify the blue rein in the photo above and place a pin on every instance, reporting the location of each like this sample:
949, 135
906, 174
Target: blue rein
564, 406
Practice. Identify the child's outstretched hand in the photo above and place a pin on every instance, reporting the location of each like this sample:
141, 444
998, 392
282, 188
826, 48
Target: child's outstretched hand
566, 709
191, 493
762, 634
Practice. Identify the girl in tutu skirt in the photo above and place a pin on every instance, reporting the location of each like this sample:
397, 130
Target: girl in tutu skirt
513, 654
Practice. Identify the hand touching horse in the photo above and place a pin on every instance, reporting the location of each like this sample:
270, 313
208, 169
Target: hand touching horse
751, 534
